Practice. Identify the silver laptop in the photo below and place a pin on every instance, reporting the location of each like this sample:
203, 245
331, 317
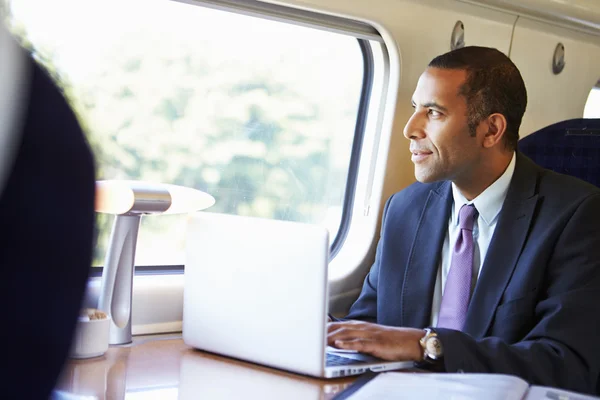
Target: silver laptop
256, 289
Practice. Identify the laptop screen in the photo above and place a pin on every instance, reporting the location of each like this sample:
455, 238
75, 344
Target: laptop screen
256, 289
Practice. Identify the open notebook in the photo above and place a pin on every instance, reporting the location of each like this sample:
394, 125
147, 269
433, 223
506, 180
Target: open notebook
392, 385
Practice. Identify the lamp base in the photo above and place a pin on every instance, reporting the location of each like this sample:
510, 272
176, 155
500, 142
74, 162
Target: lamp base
120, 335
117, 277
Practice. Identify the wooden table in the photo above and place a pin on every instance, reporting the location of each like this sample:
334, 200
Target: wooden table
163, 367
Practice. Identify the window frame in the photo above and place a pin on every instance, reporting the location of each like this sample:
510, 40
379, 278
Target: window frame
357, 145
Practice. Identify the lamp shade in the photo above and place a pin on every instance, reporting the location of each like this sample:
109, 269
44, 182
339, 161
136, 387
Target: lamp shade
122, 197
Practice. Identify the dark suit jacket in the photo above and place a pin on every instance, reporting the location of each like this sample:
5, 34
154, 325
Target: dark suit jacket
535, 311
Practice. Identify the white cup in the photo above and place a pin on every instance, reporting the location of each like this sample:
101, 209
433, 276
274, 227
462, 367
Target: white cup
91, 338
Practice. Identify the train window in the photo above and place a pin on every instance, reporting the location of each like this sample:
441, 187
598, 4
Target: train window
260, 114
592, 106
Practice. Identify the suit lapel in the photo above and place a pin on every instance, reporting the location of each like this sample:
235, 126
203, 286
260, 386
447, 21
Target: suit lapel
505, 248
424, 259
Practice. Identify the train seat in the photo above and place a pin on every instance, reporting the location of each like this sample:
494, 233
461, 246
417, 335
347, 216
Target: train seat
569, 147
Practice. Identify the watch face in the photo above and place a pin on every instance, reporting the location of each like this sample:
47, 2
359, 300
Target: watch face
433, 346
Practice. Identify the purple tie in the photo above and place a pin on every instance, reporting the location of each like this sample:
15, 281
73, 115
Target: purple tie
457, 292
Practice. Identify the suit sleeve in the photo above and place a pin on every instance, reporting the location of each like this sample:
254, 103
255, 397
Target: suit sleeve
563, 348
365, 307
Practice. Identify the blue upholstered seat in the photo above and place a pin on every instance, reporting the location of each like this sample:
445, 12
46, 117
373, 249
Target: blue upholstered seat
571, 147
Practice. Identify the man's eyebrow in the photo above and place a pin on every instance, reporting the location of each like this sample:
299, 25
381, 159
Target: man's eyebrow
433, 104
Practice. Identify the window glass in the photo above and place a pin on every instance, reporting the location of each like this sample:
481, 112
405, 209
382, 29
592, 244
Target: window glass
592, 106
258, 113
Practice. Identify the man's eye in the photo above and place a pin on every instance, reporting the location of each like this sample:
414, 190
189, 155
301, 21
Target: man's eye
434, 113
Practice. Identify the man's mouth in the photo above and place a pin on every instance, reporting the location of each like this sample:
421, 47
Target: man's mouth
420, 155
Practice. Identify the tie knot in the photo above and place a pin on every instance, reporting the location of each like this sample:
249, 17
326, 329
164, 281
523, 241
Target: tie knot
466, 216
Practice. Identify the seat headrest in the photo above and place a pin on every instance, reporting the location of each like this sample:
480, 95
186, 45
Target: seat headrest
570, 147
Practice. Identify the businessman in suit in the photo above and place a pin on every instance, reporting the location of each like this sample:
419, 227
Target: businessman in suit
488, 263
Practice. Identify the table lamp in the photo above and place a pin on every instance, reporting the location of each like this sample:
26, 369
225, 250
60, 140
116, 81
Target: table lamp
129, 200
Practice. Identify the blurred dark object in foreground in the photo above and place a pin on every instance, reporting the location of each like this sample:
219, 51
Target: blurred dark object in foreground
46, 225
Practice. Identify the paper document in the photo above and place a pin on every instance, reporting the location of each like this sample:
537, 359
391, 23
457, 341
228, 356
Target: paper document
547, 393
391, 385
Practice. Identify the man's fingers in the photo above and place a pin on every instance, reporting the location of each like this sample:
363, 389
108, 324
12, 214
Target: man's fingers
333, 326
341, 334
362, 345
347, 333
384, 342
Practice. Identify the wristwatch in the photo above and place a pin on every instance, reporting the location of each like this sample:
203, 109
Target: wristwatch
433, 351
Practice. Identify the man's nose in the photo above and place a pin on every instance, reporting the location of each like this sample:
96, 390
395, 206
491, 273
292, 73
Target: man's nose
414, 127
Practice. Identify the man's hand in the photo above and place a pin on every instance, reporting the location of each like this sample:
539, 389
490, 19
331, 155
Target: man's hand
386, 342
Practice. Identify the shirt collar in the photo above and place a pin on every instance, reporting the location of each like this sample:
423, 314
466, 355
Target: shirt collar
489, 202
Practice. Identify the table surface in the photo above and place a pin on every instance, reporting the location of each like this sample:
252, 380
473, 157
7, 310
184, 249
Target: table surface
164, 367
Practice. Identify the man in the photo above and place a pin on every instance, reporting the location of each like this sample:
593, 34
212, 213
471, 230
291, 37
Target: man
509, 283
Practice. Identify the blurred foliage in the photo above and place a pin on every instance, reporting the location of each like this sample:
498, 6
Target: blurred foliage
265, 130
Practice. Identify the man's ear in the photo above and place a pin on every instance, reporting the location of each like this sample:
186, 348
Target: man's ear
494, 128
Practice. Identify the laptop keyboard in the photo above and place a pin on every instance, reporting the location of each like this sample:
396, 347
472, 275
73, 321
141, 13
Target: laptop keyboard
335, 360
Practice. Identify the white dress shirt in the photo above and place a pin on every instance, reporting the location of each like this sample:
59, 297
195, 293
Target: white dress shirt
488, 204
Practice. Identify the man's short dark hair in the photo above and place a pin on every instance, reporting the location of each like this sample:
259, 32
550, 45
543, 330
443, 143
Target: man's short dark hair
493, 85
